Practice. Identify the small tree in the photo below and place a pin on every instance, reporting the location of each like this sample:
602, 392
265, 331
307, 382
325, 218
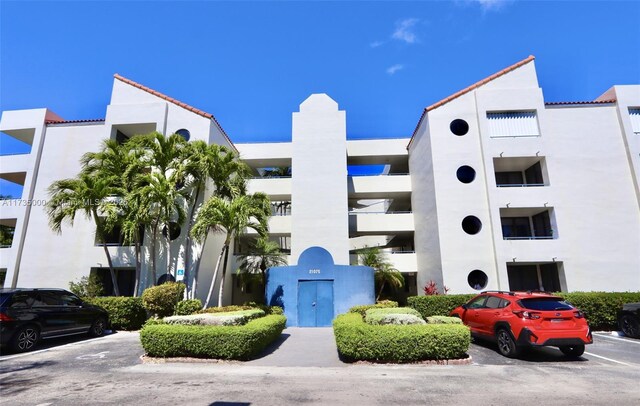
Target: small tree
262, 255
385, 273
87, 286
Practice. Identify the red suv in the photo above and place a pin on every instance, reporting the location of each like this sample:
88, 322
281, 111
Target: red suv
524, 319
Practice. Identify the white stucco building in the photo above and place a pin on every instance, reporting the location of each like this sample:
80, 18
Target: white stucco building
495, 189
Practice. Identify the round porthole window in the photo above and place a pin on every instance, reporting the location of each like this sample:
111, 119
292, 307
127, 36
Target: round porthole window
459, 127
174, 231
471, 225
477, 279
165, 278
184, 133
466, 174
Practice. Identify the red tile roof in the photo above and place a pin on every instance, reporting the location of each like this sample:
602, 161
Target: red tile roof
467, 90
580, 102
177, 103
91, 120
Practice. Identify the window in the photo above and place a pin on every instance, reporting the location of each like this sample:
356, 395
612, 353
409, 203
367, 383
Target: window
515, 227
493, 302
477, 303
70, 300
545, 303
526, 223
477, 279
114, 237
184, 133
459, 127
471, 225
513, 124
44, 299
534, 277
634, 114
466, 174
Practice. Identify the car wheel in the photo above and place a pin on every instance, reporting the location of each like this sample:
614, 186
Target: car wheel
98, 327
572, 350
25, 339
630, 326
506, 344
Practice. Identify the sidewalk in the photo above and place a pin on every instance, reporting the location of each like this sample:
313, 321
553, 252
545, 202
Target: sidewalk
302, 347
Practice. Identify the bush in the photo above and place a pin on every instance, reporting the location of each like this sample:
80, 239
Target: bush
189, 306
225, 342
267, 309
437, 305
393, 315
358, 340
125, 313
161, 300
362, 309
443, 320
87, 286
238, 318
224, 309
601, 308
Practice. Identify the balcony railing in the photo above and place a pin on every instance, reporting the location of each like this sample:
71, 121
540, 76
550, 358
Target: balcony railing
379, 174
520, 184
353, 212
533, 237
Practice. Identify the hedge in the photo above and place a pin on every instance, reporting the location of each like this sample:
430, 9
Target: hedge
393, 315
220, 342
232, 308
362, 309
357, 340
125, 313
161, 300
237, 318
443, 320
601, 308
437, 305
188, 306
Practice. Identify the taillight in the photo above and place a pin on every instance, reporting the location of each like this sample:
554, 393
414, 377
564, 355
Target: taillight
4, 317
578, 314
526, 314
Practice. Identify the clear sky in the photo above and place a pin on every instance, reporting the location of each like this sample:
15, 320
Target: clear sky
252, 63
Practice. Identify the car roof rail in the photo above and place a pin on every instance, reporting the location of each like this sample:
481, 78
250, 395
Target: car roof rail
499, 291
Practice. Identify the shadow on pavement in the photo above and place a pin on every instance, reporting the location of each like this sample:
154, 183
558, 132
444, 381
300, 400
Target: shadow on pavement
55, 342
273, 347
541, 354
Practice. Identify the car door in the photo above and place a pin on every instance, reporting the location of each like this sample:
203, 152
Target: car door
81, 316
470, 316
54, 318
487, 316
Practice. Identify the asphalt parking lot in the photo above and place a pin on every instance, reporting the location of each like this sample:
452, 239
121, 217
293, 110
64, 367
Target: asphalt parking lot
109, 370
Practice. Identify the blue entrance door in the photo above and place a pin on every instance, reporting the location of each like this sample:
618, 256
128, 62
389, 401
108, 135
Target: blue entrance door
315, 303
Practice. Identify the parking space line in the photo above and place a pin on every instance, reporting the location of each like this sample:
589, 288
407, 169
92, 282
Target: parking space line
607, 359
24, 354
616, 338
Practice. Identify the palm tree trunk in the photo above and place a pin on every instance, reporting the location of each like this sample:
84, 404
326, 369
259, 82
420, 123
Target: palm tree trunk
154, 237
100, 233
196, 271
380, 292
167, 241
224, 273
138, 268
215, 275
187, 249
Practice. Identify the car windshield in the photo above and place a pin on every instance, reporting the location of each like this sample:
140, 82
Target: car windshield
545, 303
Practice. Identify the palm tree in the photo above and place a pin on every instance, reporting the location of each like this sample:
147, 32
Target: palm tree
385, 273
231, 217
207, 162
90, 195
161, 189
263, 254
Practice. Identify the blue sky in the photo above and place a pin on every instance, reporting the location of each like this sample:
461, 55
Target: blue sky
252, 63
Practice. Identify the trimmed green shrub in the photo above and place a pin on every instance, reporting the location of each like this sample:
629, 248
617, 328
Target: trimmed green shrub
87, 286
267, 309
393, 315
216, 319
188, 306
224, 309
601, 308
443, 320
224, 342
362, 309
125, 313
357, 340
161, 300
437, 305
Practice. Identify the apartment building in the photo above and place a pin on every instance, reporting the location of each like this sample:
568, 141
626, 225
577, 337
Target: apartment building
495, 189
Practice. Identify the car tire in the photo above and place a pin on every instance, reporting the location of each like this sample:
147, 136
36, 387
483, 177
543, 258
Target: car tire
572, 351
98, 327
506, 344
25, 339
629, 326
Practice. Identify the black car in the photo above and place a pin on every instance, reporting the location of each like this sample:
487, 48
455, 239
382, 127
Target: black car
28, 315
629, 319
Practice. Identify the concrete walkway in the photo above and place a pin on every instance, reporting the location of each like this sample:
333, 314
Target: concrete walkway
302, 347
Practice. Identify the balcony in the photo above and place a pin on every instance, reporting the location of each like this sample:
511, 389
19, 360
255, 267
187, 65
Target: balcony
276, 188
520, 171
377, 186
7, 229
527, 223
278, 225
390, 222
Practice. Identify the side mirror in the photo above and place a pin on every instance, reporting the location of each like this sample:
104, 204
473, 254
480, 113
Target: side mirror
464, 306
